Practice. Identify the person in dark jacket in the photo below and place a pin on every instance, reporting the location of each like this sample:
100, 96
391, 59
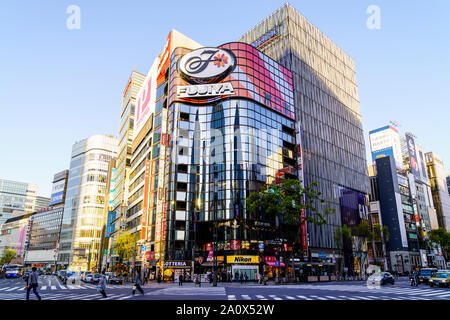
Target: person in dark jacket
32, 283
137, 284
180, 280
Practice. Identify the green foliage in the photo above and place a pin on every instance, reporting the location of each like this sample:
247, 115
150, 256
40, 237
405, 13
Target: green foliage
362, 230
124, 245
442, 237
381, 232
341, 234
8, 255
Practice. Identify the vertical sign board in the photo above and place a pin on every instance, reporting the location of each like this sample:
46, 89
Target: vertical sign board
412, 157
298, 129
145, 204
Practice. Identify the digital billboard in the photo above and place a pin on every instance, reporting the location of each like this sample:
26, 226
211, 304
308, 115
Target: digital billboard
412, 156
145, 99
57, 195
383, 153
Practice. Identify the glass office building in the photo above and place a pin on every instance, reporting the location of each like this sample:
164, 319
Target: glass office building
327, 112
83, 217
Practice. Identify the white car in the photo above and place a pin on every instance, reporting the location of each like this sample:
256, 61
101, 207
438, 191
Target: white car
74, 277
380, 278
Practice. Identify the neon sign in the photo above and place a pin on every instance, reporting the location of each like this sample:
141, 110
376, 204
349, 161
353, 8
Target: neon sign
272, 34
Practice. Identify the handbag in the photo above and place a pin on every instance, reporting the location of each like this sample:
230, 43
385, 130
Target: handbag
99, 288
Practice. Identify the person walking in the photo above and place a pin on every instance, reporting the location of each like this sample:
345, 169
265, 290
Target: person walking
137, 284
102, 285
241, 278
245, 277
180, 280
258, 276
32, 283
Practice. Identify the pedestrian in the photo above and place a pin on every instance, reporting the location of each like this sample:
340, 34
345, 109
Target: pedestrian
245, 277
33, 283
102, 285
137, 284
241, 277
258, 276
236, 276
180, 280
159, 278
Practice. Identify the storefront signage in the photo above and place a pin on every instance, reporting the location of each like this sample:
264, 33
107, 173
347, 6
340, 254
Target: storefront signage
242, 259
235, 244
169, 264
269, 36
205, 90
206, 65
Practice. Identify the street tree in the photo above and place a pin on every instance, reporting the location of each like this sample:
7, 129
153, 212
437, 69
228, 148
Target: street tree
440, 237
292, 205
124, 246
362, 234
8, 255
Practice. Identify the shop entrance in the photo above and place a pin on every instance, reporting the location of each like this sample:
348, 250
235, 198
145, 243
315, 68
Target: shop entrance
251, 271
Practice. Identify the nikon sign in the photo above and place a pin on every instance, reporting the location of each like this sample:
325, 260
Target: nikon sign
205, 90
242, 259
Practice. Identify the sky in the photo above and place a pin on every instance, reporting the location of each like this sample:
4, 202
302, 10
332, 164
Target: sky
61, 85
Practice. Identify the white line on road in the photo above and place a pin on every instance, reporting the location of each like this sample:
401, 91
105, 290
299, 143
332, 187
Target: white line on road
364, 298
274, 297
317, 297
331, 297
15, 288
261, 297
53, 287
246, 297
231, 297
43, 287
349, 298
303, 297
290, 298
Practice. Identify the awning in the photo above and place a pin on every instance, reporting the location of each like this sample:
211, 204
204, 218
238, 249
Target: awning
273, 264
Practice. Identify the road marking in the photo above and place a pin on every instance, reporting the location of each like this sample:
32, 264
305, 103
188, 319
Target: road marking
364, 298
435, 294
290, 298
331, 297
246, 297
231, 297
14, 288
261, 297
125, 297
349, 298
43, 287
53, 287
111, 296
303, 297
317, 297
274, 297
1, 289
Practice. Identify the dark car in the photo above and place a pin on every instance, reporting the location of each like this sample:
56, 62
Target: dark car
95, 278
115, 279
425, 274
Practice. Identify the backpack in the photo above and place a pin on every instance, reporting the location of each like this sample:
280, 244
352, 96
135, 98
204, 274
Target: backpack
25, 277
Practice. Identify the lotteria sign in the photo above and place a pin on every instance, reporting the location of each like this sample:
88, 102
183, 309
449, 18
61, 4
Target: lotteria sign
206, 65
242, 259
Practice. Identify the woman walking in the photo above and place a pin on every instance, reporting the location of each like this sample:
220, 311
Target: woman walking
102, 285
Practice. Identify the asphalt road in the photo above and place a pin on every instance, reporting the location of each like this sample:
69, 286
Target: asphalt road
51, 288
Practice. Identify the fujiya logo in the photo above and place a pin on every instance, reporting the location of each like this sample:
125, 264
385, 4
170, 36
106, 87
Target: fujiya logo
206, 65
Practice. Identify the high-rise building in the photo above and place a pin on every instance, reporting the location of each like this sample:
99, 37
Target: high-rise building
448, 183
46, 227
121, 171
441, 197
19, 196
14, 233
328, 119
83, 217
386, 141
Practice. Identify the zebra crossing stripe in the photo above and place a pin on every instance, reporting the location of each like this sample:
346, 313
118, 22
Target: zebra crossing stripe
434, 294
290, 298
111, 296
349, 298
246, 297
274, 297
231, 297
53, 287
303, 297
320, 298
331, 297
261, 297
125, 297
1, 289
14, 288
43, 287
363, 298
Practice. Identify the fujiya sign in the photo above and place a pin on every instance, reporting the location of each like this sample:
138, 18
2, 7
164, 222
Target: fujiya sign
206, 65
205, 90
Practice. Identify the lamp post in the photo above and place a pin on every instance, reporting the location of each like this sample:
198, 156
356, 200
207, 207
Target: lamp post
215, 237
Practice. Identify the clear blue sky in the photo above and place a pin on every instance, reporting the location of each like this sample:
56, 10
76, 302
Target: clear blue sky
58, 86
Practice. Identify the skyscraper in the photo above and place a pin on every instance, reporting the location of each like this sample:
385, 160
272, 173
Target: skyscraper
83, 217
328, 116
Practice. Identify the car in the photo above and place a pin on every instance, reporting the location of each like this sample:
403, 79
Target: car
440, 279
95, 279
425, 274
115, 279
380, 278
88, 277
73, 277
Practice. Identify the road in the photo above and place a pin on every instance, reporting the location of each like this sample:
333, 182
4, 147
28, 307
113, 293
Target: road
51, 288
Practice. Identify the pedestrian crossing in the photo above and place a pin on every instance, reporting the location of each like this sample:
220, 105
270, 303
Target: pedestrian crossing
63, 287
409, 291
316, 297
71, 296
